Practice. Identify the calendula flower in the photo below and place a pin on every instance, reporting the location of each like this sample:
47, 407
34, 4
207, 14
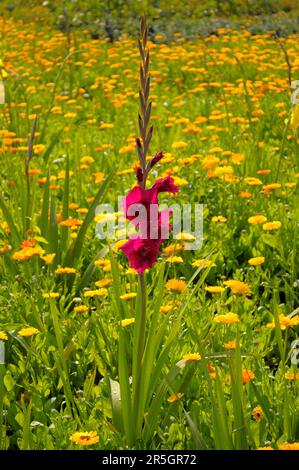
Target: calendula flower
175, 397
230, 345
238, 287
219, 218
291, 446
176, 286
202, 263
103, 282
3, 336
256, 261
291, 376
30, 331
51, 295
96, 293
127, 322
214, 289
81, 309
247, 376
227, 319
174, 259
63, 271
192, 357
85, 438
48, 258
265, 448
285, 322
168, 307
257, 219
257, 413
270, 226
128, 296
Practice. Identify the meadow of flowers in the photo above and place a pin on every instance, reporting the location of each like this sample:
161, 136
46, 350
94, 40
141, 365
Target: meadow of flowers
116, 343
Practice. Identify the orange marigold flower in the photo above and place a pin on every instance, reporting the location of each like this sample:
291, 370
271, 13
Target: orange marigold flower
85, 438
238, 287
247, 376
176, 286
291, 446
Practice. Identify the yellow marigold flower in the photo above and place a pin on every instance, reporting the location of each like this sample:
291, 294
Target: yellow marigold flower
174, 259
131, 271
257, 219
219, 219
62, 271
238, 287
291, 446
265, 448
175, 397
128, 296
251, 181
275, 225
51, 295
127, 321
202, 263
179, 145
27, 252
192, 357
103, 282
257, 413
49, 258
28, 331
230, 345
176, 286
172, 249
167, 308
85, 438
3, 336
245, 194
185, 236
291, 376
214, 289
247, 376
285, 322
96, 293
256, 261
81, 309
270, 187
227, 319
87, 159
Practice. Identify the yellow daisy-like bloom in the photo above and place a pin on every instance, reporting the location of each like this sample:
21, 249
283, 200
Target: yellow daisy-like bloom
238, 287
285, 322
51, 295
219, 218
291, 376
202, 263
127, 322
230, 345
103, 282
175, 259
256, 261
62, 271
186, 237
176, 286
251, 181
257, 413
30, 331
168, 307
175, 397
3, 336
257, 219
270, 226
49, 258
265, 448
96, 293
214, 289
172, 249
81, 309
131, 272
247, 376
179, 145
85, 438
128, 296
192, 357
292, 446
228, 319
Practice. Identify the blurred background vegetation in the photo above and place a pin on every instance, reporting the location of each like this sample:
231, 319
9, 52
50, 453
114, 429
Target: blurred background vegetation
190, 18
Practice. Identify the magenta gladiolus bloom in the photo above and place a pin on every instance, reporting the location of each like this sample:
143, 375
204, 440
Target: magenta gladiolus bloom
142, 210
141, 253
